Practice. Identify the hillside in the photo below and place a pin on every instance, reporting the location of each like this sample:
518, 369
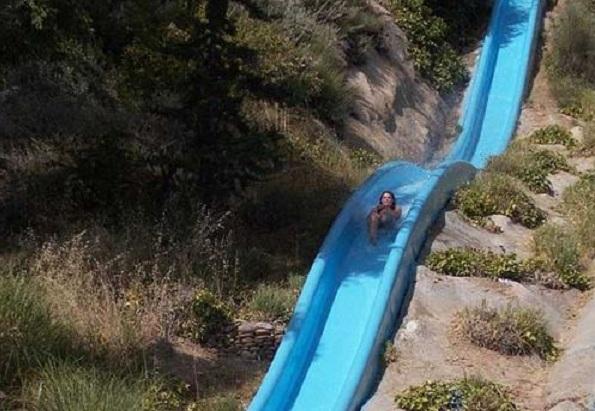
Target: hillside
491, 276
168, 171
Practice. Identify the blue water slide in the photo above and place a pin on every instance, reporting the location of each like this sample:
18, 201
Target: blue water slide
330, 355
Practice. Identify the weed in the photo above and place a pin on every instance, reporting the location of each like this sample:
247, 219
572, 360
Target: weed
529, 165
389, 353
63, 387
207, 318
553, 134
273, 302
432, 55
29, 335
560, 248
495, 193
512, 330
469, 394
571, 60
469, 262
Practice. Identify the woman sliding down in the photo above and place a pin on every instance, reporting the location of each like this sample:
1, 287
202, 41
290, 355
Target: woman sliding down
384, 215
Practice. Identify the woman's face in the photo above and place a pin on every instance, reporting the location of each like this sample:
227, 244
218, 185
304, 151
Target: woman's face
387, 199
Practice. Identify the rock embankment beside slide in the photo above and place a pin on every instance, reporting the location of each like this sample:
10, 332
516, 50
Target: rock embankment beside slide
426, 346
395, 112
571, 384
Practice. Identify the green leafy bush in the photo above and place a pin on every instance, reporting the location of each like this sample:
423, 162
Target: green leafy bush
314, 28
553, 134
208, 317
175, 395
529, 165
428, 35
511, 330
469, 262
495, 193
469, 394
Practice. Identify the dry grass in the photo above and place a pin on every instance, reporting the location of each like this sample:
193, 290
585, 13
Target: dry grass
310, 139
511, 330
120, 293
80, 294
571, 59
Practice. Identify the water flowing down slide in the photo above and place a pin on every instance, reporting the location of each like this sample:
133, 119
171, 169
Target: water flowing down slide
330, 355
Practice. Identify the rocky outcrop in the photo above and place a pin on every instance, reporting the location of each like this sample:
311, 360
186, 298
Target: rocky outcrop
571, 384
395, 113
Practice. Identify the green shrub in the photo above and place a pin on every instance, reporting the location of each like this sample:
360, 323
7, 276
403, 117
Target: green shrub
550, 161
272, 302
29, 335
589, 138
561, 249
579, 199
285, 68
313, 28
469, 394
511, 330
571, 60
61, 387
578, 203
207, 318
573, 50
275, 302
495, 193
220, 403
365, 158
553, 134
428, 35
469, 262
529, 165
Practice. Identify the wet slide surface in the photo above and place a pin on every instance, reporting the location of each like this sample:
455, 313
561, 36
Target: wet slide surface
357, 279
329, 357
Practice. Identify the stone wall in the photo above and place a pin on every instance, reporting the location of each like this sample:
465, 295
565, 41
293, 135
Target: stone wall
251, 339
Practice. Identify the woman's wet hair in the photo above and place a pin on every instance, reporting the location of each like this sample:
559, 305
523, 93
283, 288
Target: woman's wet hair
392, 196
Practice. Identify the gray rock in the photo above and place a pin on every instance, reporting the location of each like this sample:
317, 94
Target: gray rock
573, 376
246, 328
561, 181
264, 326
459, 233
395, 113
567, 406
578, 133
